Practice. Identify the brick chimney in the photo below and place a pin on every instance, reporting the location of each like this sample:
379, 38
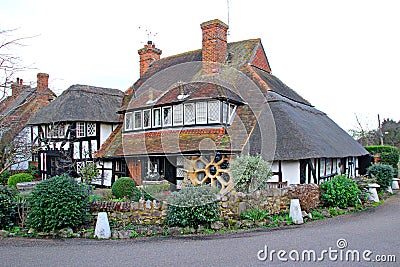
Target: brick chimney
148, 54
214, 45
17, 87
42, 87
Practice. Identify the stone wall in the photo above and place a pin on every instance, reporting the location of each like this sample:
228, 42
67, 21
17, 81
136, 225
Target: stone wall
273, 200
232, 204
124, 213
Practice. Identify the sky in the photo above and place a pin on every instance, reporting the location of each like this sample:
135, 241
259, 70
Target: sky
343, 56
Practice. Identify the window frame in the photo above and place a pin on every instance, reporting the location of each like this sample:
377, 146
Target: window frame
149, 111
201, 112
170, 116
186, 121
87, 129
80, 132
154, 118
209, 116
176, 113
128, 118
135, 127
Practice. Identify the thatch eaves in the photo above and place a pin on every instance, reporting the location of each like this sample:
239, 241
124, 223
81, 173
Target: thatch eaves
82, 103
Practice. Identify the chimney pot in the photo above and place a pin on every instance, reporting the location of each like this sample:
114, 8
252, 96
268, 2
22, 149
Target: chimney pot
21, 81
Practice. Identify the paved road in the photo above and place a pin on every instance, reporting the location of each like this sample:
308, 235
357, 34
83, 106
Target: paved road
375, 230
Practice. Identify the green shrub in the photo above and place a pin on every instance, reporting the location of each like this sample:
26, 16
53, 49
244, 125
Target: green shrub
4, 177
8, 207
19, 178
250, 173
124, 187
57, 203
340, 192
254, 215
391, 159
382, 173
193, 206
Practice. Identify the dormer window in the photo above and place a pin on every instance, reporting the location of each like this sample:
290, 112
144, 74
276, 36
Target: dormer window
138, 120
157, 117
214, 112
189, 113
167, 116
146, 118
200, 112
178, 114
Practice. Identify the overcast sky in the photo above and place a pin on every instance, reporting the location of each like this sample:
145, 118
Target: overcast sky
342, 55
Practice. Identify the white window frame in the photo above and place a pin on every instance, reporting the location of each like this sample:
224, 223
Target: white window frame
232, 111
158, 124
210, 115
150, 121
87, 129
137, 127
201, 112
187, 120
80, 131
225, 112
128, 121
169, 117
177, 115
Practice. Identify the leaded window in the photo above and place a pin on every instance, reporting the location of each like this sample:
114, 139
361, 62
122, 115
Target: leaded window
146, 118
167, 116
80, 129
214, 111
189, 113
91, 129
128, 121
178, 114
138, 120
201, 112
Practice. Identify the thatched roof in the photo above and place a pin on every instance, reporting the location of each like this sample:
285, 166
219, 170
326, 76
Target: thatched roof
273, 116
82, 103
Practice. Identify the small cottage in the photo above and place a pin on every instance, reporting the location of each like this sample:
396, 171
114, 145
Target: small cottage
190, 114
73, 127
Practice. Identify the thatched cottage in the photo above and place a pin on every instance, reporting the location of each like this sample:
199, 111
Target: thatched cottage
190, 114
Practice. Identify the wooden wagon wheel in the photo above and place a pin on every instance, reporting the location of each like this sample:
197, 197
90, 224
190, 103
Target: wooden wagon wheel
214, 170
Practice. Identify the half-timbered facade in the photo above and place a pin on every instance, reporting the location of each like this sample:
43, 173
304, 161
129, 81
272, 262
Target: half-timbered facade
73, 127
188, 115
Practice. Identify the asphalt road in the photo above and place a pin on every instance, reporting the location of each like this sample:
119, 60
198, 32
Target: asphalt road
370, 233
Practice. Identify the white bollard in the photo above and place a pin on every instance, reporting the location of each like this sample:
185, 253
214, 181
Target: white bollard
395, 183
295, 212
102, 226
373, 194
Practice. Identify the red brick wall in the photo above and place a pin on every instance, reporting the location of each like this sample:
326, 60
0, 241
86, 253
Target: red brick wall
260, 60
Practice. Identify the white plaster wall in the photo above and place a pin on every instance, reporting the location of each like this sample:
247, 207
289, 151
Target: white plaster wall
105, 131
274, 168
291, 171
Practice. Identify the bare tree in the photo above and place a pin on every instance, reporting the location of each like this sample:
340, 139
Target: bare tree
10, 63
15, 143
